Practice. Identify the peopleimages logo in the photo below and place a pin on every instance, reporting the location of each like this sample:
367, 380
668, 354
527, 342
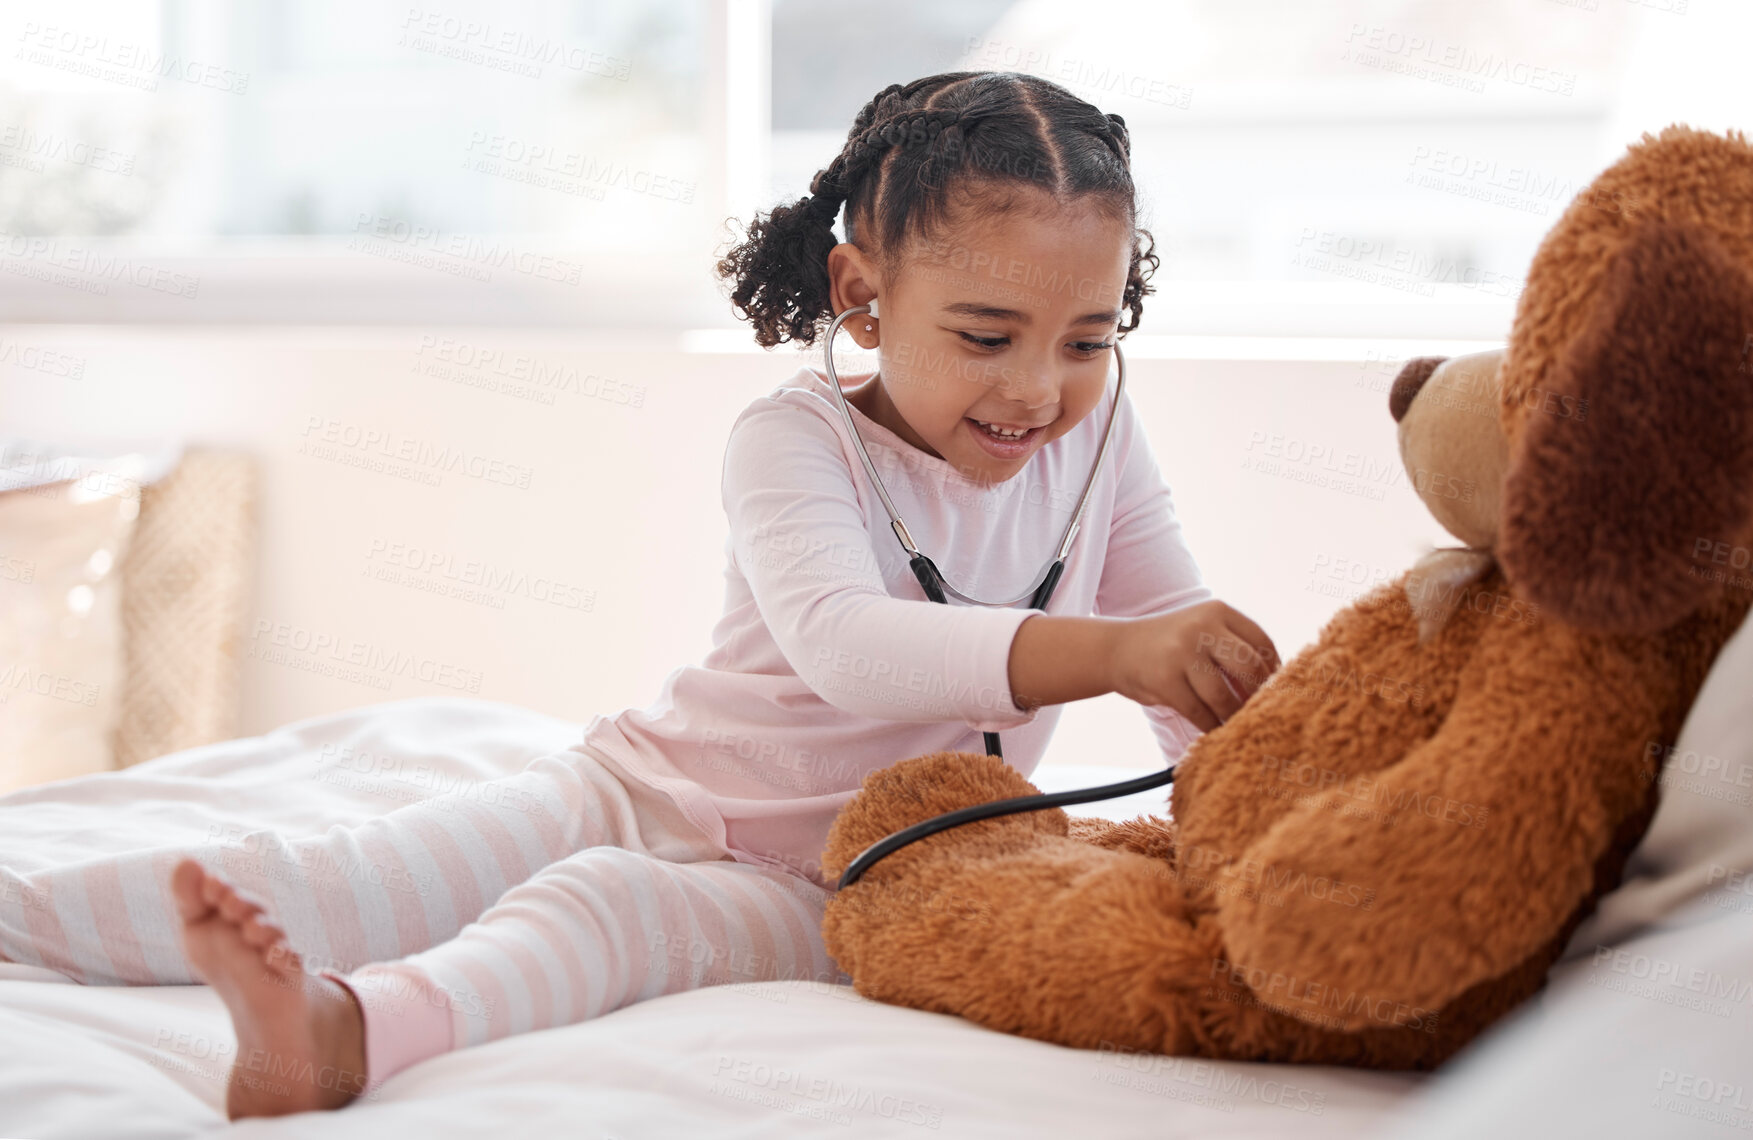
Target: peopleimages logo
826, 1092
1453, 63
466, 254
89, 269
880, 680
1375, 789
119, 61
1281, 991
1173, 1075
281, 642
381, 449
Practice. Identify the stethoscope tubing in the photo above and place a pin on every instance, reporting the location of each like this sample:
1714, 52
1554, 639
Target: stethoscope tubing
889, 844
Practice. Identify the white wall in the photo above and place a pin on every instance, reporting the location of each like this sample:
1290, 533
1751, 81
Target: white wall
622, 501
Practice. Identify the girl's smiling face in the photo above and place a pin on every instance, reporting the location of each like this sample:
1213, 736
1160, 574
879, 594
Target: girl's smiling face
1009, 324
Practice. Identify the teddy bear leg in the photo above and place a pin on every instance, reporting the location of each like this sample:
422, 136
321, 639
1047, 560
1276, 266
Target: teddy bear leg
1062, 942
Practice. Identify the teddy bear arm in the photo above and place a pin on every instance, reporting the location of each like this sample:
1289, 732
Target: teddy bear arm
1396, 894
1351, 702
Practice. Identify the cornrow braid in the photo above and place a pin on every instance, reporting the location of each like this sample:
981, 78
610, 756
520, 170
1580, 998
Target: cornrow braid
832, 184
891, 117
910, 146
1145, 261
1121, 138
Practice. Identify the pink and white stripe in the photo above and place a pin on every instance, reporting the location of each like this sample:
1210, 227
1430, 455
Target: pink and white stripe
537, 900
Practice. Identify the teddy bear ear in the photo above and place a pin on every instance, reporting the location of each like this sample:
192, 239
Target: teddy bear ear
1607, 506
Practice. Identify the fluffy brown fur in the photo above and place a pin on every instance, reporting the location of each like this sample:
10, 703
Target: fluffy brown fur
1390, 844
1644, 314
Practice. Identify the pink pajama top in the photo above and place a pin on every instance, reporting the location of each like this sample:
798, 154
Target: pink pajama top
830, 663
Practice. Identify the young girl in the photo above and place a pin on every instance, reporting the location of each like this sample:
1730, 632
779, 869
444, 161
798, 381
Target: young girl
992, 217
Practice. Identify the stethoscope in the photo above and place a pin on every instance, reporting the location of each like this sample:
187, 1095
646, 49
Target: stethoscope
936, 587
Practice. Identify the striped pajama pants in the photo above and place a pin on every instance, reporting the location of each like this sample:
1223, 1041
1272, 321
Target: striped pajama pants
537, 900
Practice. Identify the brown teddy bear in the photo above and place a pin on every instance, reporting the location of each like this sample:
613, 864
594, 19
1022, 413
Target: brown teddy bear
1387, 847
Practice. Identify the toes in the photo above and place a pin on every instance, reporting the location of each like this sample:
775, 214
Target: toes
200, 894
278, 956
217, 889
239, 909
213, 890
188, 883
259, 932
212, 893
281, 957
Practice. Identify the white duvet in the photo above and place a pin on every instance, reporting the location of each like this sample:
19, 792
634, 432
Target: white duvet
757, 1060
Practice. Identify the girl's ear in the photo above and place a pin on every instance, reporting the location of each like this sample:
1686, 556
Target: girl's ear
1641, 453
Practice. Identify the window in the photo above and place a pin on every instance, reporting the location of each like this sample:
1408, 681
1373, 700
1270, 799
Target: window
1306, 169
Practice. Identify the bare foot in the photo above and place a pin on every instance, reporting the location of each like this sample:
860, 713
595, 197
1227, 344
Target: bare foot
300, 1039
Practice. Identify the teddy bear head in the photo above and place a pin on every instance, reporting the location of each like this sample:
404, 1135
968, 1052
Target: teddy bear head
1604, 456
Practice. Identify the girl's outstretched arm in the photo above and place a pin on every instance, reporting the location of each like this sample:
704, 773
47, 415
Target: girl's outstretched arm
1175, 666
1202, 661
800, 538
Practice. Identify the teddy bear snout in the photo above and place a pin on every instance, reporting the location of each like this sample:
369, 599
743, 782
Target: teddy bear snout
1412, 376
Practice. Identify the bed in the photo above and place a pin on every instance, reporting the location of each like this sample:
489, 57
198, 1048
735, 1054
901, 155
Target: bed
766, 1059
1646, 1029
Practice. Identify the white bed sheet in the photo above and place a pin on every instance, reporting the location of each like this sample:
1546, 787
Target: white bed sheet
767, 1060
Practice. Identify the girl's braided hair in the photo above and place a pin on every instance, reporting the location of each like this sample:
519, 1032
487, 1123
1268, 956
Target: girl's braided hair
910, 146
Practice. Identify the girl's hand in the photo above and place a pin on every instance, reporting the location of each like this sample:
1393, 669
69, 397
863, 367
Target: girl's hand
1202, 661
